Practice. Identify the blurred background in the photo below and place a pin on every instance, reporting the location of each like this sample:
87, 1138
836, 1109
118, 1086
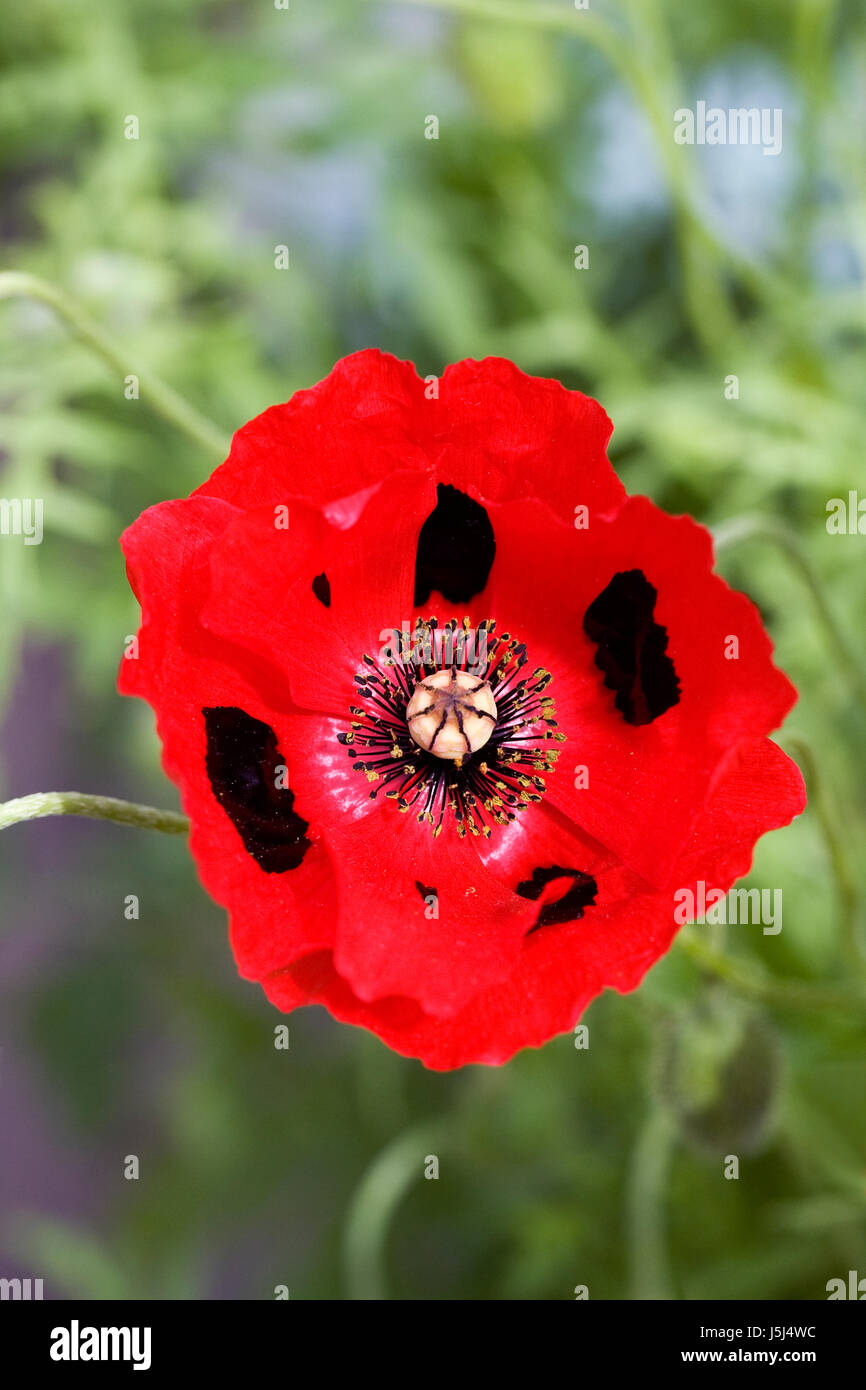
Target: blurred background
305, 127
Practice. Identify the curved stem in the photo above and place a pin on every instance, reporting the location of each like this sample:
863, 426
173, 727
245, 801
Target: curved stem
162, 397
765, 528
784, 993
96, 807
376, 1199
649, 1271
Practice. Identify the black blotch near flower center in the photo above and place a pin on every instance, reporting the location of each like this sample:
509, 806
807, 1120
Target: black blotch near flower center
632, 648
424, 891
242, 765
456, 546
322, 589
568, 908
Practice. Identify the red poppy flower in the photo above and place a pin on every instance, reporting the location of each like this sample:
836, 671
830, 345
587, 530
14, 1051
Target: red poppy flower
452, 717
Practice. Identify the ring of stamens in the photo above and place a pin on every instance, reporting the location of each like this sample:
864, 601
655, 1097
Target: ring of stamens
484, 781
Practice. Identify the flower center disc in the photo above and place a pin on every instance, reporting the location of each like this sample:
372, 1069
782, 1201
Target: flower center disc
451, 713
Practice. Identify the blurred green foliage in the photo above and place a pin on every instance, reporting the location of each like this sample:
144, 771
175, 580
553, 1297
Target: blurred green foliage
305, 127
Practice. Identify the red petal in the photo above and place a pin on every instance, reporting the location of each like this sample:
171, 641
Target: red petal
646, 783
502, 435
180, 670
344, 434
561, 969
492, 431
262, 587
387, 866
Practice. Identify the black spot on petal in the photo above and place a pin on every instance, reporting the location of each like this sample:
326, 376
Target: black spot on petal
632, 648
568, 908
456, 546
322, 589
243, 766
424, 891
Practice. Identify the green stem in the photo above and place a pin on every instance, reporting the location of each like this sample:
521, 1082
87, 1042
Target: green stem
707, 252
765, 528
649, 1271
379, 1193
96, 807
821, 797
162, 398
784, 993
